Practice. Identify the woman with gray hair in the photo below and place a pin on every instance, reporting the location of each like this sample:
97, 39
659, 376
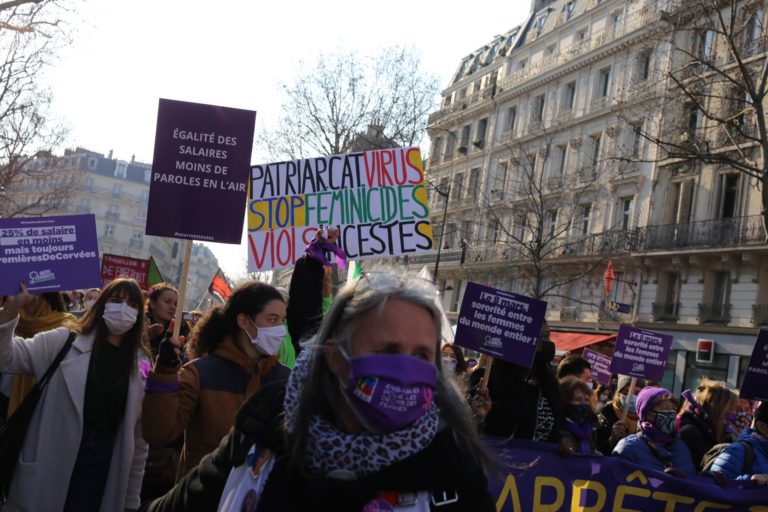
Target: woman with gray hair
366, 421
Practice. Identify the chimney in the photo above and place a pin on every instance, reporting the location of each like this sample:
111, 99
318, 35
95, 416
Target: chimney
133, 158
110, 155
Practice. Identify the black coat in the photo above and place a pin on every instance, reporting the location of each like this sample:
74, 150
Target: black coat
699, 434
442, 466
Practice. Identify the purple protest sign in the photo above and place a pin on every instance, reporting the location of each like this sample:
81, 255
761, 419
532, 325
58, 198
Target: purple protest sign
49, 253
755, 385
640, 353
200, 172
500, 324
599, 365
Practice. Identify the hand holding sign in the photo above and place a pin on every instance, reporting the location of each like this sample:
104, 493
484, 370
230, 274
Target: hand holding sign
13, 304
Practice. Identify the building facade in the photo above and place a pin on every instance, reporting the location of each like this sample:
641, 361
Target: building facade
544, 168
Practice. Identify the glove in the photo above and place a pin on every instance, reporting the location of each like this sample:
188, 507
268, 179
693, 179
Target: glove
168, 353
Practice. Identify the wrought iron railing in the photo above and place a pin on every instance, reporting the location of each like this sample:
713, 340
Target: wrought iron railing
665, 310
569, 313
731, 232
759, 314
714, 313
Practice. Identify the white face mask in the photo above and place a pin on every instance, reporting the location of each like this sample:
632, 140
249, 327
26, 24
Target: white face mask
449, 364
89, 303
268, 339
590, 385
119, 317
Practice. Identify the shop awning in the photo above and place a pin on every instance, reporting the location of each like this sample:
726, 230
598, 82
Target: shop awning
570, 341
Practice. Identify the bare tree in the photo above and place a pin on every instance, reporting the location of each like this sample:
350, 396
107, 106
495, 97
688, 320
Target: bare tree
715, 89
332, 105
30, 33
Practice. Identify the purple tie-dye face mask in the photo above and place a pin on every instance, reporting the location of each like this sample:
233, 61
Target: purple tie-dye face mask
389, 392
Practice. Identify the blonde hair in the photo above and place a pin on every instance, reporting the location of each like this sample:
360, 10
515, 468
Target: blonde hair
716, 399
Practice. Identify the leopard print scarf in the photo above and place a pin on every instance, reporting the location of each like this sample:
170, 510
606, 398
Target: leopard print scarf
329, 449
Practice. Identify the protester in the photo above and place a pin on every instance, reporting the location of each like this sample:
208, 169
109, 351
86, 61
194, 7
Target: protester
161, 309
90, 298
45, 312
577, 366
702, 422
238, 345
743, 418
601, 396
657, 445
526, 402
83, 450
611, 428
338, 446
748, 457
454, 364
579, 417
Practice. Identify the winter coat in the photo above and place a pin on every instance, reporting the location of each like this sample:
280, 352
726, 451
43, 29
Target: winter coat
635, 448
201, 400
731, 461
442, 466
698, 434
49, 452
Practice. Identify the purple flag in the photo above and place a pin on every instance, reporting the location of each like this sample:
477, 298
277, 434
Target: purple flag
599, 365
200, 172
640, 353
500, 324
49, 253
755, 386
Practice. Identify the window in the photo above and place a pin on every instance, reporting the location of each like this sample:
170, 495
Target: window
449, 147
693, 115
466, 231
637, 139
138, 235
92, 162
537, 112
643, 71
617, 19
625, 217
702, 45
569, 96
482, 126
474, 182
109, 231
436, 147
586, 211
721, 296
117, 190
450, 236
753, 31
595, 141
113, 212
552, 223
493, 231
84, 205
464, 142
682, 206
458, 188
550, 50
561, 153
672, 291
500, 180
121, 169
521, 64
603, 82
581, 35
511, 119
89, 184
521, 223
728, 199
568, 10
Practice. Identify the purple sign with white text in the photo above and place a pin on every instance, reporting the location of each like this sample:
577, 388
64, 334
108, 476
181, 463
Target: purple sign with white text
200, 172
49, 253
599, 365
755, 385
501, 324
640, 353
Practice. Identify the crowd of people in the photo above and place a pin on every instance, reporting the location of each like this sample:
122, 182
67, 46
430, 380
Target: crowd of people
364, 406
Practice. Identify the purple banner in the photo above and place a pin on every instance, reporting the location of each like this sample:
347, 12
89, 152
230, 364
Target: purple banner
49, 253
755, 386
534, 477
500, 324
600, 365
640, 353
200, 172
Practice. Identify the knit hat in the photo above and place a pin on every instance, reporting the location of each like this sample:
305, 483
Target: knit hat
646, 398
625, 380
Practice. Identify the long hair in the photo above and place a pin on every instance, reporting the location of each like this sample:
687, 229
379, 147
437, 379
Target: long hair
153, 294
249, 298
461, 362
93, 321
717, 400
320, 393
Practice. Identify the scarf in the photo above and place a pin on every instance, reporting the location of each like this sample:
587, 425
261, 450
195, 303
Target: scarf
41, 319
650, 430
330, 449
631, 417
583, 433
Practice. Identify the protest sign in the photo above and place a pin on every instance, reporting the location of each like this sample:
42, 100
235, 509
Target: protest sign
200, 172
501, 324
599, 365
377, 199
534, 476
755, 385
640, 353
48, 253
113, 266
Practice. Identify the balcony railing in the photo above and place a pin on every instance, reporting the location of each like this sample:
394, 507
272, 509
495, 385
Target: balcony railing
731, 232
714, 313
665, 311
616, 241
446, 256
569, 313
759, 314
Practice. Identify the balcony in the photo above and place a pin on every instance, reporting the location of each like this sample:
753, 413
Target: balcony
112, 215
718, 233
569, 313
617, 241
665, 311
759, 315
714, 313
446, 256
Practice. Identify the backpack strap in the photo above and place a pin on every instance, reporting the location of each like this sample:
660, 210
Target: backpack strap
749, 457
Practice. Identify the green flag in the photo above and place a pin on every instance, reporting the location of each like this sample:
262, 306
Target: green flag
153, 276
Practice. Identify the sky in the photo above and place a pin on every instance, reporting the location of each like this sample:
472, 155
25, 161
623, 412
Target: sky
236, 53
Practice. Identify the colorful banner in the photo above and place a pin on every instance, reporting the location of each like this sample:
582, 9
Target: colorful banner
377, 199
48, 253
113, 267
535, 478
640, 353
600, 365
220, 287
755, 386
200, 172
500, 324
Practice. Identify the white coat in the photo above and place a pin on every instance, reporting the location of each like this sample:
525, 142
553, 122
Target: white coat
48, 455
